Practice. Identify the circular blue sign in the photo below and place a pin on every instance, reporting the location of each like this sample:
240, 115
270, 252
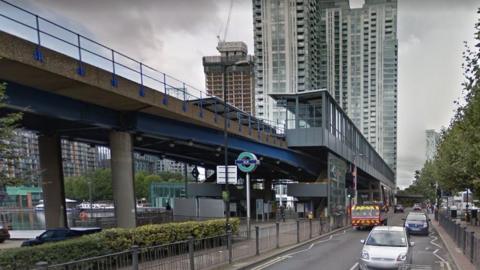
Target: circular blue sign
247, 162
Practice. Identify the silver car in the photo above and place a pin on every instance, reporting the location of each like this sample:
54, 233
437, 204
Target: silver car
386, 247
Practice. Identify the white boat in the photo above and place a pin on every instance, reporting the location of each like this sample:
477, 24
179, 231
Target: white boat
68, 202
95, 206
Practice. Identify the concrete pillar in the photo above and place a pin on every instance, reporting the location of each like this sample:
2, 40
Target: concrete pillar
50, 151
121, 146
29, 200
268, 194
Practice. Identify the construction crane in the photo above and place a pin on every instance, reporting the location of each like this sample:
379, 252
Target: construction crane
227, 24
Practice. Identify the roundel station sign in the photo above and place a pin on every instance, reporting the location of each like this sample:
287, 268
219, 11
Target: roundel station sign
247, 162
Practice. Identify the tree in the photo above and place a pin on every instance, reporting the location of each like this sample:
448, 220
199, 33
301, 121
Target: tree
144, 181
8, 124
78, 187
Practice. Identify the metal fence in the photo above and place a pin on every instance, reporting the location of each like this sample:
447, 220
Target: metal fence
466, 240
204, 253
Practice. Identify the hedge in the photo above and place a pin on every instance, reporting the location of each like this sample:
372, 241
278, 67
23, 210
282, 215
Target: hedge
109, 241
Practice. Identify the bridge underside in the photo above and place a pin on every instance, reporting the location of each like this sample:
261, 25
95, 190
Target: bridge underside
176, 140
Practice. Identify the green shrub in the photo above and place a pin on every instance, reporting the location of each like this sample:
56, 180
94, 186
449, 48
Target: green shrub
111, 240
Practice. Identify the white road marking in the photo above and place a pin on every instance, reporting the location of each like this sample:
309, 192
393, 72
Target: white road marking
442, 259
354, 266
434, 238
289, 255
272, 262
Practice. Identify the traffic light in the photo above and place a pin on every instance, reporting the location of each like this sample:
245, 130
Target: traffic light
349, 177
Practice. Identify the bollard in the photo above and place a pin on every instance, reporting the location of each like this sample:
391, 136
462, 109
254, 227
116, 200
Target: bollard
41, 266
464, 236
298, 231
277, 227
310, 224
472, 246
456, 235
229, 246
319, 226
257, 243
135, 251
190, 253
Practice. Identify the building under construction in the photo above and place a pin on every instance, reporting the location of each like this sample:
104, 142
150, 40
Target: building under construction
237, 65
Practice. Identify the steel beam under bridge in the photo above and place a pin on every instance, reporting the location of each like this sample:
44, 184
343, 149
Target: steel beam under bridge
43, 108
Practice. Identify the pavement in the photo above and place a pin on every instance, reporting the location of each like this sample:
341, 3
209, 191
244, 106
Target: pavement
18, 236
341, 250
24, 234
10, 244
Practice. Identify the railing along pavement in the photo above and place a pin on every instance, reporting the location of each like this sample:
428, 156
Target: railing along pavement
465, 239
205, 253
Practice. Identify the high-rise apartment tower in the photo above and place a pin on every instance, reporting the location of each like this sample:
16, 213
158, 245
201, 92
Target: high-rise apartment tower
286, 51
432, 140
303, 45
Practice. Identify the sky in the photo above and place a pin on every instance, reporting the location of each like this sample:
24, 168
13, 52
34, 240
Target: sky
173, 35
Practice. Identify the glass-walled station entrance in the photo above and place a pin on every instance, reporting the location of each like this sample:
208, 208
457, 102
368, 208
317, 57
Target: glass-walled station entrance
316, 124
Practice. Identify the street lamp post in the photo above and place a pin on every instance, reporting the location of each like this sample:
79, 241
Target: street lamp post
467, 215
225, 143
226, 65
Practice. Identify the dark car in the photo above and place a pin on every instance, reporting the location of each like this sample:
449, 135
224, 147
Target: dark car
417, 223
398, 208
59, 234
417, 207
4, 234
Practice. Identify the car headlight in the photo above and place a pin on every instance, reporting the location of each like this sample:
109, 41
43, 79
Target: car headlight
365, 255
425, 225
402, 257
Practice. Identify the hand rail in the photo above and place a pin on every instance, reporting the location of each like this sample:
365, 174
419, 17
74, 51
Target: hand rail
117, 63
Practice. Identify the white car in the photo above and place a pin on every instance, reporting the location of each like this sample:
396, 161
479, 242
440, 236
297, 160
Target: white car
386, 247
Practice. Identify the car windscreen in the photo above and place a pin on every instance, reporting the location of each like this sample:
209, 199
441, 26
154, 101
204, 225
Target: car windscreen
365, 212
387, 238
416, 218
47, 235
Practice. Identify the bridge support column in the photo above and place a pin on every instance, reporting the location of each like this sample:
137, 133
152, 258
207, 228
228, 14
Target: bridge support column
121, 145
50, 151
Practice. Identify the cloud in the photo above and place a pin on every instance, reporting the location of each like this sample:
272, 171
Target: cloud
159, 33
173, 35
431, 35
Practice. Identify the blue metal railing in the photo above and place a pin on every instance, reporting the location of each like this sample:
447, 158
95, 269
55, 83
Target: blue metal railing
45, 33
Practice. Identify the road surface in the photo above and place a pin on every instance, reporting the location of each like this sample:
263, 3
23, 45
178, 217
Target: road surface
342, 251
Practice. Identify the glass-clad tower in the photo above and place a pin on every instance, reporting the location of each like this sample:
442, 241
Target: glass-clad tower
286, 48
303, 45
359, 67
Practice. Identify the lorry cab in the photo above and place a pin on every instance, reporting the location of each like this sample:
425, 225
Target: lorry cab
368, 216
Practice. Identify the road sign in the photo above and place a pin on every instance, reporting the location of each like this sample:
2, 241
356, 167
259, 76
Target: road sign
247, 162
232, 175
195, 173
